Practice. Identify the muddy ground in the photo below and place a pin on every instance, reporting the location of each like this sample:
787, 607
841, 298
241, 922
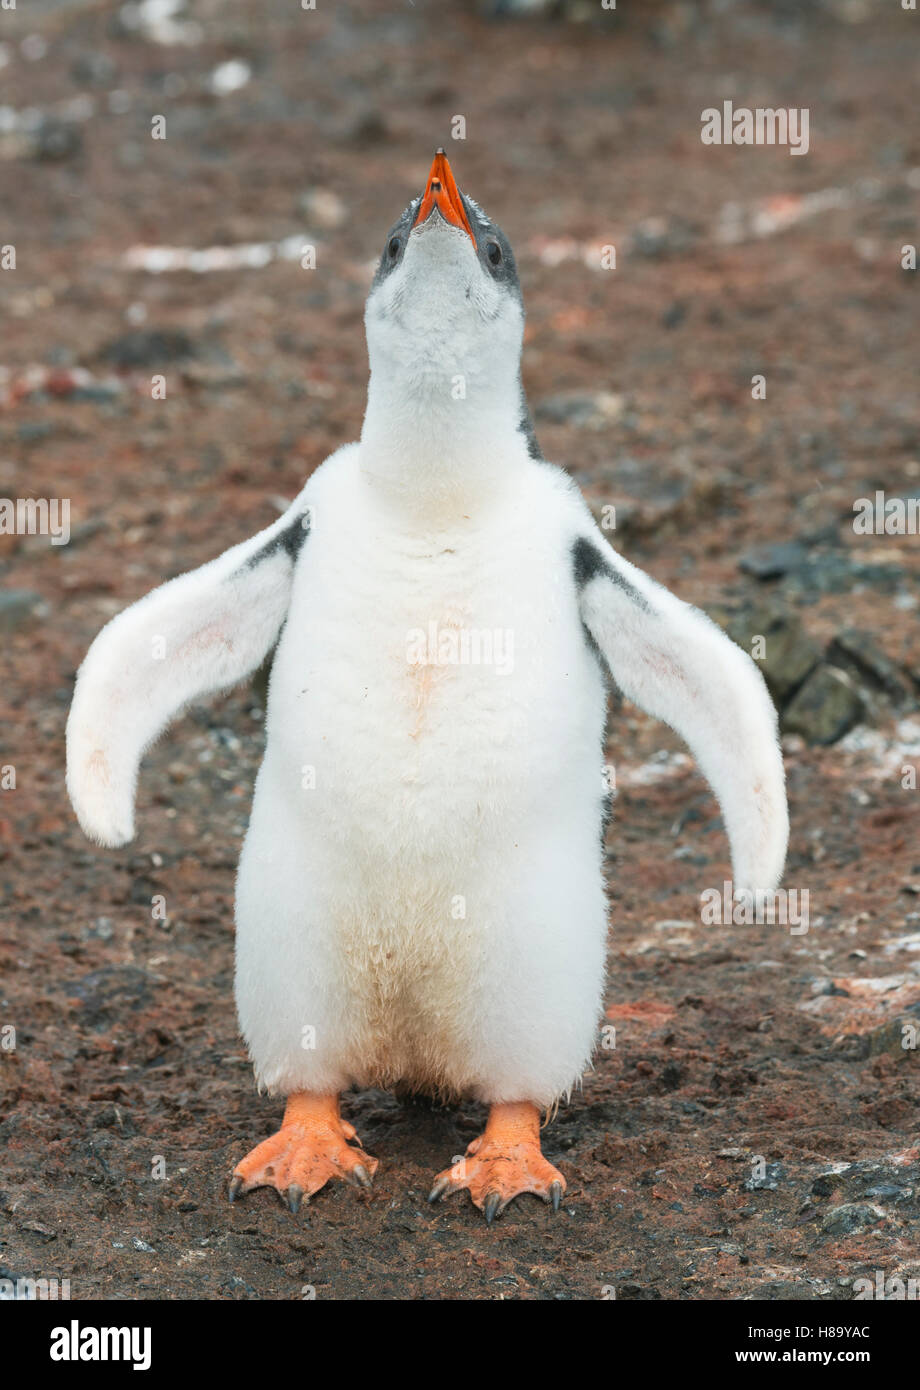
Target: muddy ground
733, 1043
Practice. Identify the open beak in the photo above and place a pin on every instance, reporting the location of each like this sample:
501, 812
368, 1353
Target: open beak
441, 192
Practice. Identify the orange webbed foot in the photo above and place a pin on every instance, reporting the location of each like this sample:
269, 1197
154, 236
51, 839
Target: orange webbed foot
502, 1163
312, 1146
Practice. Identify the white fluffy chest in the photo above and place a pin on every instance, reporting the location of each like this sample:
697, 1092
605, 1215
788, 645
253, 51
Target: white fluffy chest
430, 679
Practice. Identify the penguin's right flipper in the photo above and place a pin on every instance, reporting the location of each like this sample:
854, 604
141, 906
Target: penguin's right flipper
673, 662
197, 634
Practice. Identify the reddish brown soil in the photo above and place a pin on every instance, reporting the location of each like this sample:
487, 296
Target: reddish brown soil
127, 1046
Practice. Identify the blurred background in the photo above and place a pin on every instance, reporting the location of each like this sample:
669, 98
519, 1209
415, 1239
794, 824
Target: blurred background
180, 258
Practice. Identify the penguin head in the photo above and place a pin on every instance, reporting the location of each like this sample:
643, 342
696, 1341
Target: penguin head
445, 311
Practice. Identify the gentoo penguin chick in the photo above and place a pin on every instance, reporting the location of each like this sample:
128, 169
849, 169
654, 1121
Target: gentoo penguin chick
420, 900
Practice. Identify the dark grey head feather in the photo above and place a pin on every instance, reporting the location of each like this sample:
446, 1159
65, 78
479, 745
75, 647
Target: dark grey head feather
487, 235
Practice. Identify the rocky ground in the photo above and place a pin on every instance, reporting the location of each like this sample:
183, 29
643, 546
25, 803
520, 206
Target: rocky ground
753, 1132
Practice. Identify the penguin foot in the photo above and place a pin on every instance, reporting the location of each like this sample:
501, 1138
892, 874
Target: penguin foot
312, 1146
502, 1163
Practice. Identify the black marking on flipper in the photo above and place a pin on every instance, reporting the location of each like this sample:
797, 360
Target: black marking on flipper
290, 540
588, 562
607, 801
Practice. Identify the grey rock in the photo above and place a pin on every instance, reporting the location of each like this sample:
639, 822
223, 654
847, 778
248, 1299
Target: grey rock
787, 1291
217, 371
818, 564
34, 431
824, 708
103, 929
19, 607
114, 987
769, 1182
237, 1288
770, 561
789, 653
864, 1180
56, 141
367, 126
657, 237
637, 1293
591, 412
322, 208
858, 653
92, 69
835, 572
887, 1038
146, 347
850, 1219
87, 530
674, 315
79, 535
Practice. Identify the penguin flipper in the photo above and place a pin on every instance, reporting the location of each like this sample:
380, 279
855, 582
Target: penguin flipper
195, 635
675, 663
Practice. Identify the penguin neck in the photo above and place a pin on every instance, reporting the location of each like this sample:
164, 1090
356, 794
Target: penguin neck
436, 457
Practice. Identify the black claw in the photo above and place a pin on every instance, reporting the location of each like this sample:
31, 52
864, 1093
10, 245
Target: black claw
555, 1194
235, 1184
439, 1189
492, 1206
294, 1197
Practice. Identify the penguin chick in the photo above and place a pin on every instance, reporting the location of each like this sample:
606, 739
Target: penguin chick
420, 899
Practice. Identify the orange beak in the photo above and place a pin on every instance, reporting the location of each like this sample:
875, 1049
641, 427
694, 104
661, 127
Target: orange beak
441, 192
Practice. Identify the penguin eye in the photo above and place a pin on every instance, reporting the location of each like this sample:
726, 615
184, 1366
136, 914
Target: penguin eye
494, 252
393, 248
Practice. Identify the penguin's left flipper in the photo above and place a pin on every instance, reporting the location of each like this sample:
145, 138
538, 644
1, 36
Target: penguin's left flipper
197, 634
672, 661
503, 1163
